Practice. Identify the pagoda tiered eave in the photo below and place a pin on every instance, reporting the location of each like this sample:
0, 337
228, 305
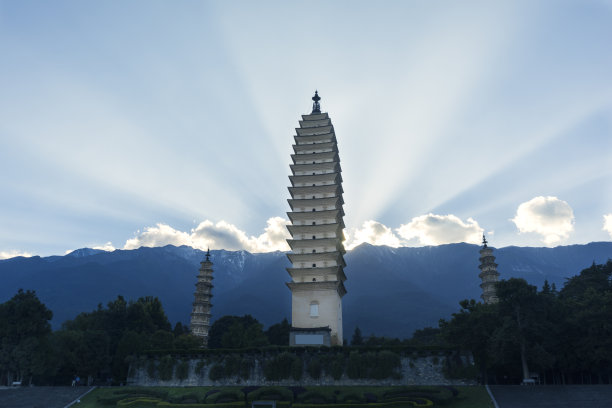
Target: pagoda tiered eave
328, 178
309, 148
333, 189
313, 131
316, 229
319, 157
315, 123
315, 286
315, 116
315, 139
335, 214
300, 275
309, 168
333, 202
318, 242
332, 256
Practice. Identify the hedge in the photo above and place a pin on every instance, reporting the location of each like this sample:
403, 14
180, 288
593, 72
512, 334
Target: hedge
420, 350
226, 396
271, 393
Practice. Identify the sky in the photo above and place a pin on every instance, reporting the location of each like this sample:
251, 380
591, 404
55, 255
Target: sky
130, 123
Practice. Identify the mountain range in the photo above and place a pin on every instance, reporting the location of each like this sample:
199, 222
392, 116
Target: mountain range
391, 291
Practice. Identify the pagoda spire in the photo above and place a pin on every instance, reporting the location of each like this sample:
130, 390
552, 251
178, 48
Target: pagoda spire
316, 229
316, 108
200, 315
488, 273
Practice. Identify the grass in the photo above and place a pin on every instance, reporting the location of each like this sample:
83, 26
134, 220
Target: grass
467, 397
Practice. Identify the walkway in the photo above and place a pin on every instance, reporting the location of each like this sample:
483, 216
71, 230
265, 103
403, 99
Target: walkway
553, 396
39, 397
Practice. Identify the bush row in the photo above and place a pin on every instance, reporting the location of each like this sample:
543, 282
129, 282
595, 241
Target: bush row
401, 349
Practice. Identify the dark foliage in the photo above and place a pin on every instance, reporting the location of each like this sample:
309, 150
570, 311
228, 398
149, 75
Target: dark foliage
558, 337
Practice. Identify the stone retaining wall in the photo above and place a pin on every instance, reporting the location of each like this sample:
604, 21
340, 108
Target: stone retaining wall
421, 370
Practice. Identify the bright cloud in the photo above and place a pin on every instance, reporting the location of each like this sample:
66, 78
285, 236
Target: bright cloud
221, 235
433, 229
109, 247
374, 233
13, 254
608, 224
549, 217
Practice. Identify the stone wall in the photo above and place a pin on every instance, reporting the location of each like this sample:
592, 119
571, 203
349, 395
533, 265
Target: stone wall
196, 371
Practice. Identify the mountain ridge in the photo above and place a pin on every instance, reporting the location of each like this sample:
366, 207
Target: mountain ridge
391, 291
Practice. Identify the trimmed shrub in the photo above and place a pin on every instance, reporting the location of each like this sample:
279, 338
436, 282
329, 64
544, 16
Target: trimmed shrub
350, 397
217, 372
225, 397
231, 365
388, 364
316, 397
271, 393
199, 368
182, 370
166, 367
152, 370
189, 398
139, 402
335, 366
314, 368
279, 367
221, 405
297, 367
245, 368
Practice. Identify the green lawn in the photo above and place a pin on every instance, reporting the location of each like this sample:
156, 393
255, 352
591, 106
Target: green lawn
308, 397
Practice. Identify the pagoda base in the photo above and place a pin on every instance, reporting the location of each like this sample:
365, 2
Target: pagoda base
314, 336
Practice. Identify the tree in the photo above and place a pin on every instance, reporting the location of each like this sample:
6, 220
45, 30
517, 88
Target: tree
357, 339
100, 342
180, 328
278, 334
472, 329
519, 306
428, 336
25, 331
236, 332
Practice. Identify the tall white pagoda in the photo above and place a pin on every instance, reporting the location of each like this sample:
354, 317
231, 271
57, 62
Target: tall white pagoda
317, 252
488, 273
200, 315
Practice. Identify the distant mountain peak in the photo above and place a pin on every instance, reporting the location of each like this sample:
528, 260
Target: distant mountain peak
83, 252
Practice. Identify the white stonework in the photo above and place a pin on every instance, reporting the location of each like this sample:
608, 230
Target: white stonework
488, 273
200, 314
316, 227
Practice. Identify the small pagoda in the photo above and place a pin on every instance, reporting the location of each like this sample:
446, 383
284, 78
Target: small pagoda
200, 315
316, 229
488, 273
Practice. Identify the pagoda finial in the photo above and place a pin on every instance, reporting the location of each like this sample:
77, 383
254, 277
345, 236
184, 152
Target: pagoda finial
208, 255
316, 108
484, 240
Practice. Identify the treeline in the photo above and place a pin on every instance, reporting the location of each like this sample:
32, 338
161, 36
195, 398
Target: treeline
550, 336
99, 346
95, 345
560, 337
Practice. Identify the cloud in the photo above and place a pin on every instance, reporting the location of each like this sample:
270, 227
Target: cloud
221, 235
13, 254
549, 217
608, 224
105, 247
374, 233
433, 229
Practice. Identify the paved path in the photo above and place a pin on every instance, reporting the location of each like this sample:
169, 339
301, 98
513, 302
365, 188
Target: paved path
549, 396
39, 397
